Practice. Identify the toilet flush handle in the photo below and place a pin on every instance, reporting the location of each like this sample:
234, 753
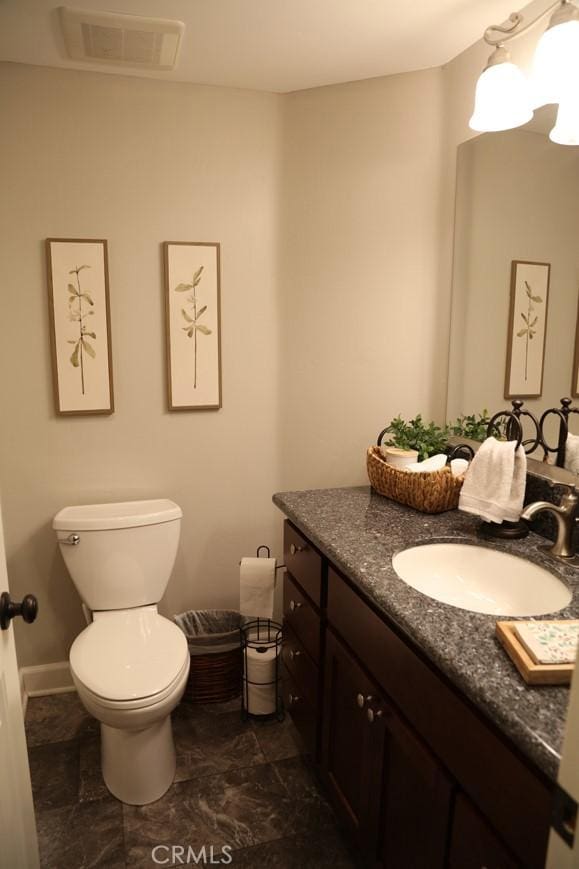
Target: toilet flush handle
71, 540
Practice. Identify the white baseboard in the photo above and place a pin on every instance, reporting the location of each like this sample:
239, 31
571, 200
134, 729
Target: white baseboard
45, 679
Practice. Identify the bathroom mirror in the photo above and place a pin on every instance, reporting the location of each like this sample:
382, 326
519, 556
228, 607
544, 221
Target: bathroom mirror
517, 199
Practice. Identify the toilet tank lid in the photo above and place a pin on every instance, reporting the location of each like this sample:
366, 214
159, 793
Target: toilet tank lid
127, 514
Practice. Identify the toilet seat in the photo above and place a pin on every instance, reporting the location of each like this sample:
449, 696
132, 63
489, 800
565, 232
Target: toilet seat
129, 658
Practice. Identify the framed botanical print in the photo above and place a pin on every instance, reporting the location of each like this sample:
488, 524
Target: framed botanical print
80, 327
193, 324
527, 329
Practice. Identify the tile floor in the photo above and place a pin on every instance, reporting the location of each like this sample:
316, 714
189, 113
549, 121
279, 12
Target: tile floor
244, 785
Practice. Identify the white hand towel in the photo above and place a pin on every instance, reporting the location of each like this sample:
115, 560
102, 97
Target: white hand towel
256, 586
572, 453
494, 486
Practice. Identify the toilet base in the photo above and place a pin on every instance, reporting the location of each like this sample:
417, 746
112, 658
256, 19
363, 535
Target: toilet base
138, 766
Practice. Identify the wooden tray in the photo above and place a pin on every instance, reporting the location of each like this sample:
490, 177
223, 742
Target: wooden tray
532, 673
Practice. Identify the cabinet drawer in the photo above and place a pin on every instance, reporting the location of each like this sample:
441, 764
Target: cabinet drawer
515, 798
303, 562
302, 619
302, 714
301, 667
474, 845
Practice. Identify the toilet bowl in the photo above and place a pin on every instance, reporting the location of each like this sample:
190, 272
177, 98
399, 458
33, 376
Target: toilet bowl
130, 669
130, 664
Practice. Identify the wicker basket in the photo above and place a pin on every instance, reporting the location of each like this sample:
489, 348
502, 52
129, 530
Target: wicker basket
214, 678
214, 645
432, 492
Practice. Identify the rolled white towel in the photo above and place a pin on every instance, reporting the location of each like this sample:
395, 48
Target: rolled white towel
572, 453
494, 485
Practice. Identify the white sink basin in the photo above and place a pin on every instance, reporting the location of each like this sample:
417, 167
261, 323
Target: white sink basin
481, 580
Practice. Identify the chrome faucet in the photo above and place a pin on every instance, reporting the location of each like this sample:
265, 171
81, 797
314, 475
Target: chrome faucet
566, 514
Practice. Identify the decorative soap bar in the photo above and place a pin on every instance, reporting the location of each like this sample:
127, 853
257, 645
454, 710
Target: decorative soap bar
550, 642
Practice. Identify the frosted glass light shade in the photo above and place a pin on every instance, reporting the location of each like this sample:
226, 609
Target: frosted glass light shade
566, 129
502, 99
556, 63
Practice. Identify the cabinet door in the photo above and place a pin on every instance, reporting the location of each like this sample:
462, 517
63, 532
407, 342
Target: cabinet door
351, 746
474, 844
416, 801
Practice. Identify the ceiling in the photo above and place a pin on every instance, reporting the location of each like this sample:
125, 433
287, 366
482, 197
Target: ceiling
272, 45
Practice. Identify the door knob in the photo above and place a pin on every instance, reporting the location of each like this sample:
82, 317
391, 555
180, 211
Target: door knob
372, 715
294, 605
293, 699
294, 653
361, 700
28, 609
294, 549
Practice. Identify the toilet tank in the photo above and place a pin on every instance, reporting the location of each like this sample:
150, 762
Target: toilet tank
119, 555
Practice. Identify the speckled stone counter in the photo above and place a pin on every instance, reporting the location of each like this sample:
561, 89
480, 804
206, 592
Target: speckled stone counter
359, 532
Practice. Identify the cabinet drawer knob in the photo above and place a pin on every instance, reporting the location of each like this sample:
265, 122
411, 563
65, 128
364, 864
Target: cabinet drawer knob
294, 605
361, 700
295, 549
373, 714
294, 653
292, 699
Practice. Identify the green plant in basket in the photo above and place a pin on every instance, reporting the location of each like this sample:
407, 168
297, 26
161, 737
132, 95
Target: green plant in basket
473, 425
427, 439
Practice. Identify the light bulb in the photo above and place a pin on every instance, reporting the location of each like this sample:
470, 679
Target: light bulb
502, 98
556, 61
566, 129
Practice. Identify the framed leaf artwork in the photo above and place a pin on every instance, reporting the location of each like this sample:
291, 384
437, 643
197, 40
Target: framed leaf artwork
78, 293
527, 329
193, 318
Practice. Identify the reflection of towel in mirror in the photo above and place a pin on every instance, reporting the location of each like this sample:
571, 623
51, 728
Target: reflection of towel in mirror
494, 486
572, 453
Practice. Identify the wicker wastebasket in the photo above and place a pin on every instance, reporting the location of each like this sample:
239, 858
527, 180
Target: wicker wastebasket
216, 662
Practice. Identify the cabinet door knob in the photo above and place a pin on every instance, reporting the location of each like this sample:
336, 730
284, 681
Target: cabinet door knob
292, 699
373, 714
294, 549
294, 653
294, 605
361, 700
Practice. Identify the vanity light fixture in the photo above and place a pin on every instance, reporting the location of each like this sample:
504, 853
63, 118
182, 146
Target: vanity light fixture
505, 98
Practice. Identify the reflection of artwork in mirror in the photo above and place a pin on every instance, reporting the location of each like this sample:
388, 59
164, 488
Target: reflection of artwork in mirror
575, 375
527, 329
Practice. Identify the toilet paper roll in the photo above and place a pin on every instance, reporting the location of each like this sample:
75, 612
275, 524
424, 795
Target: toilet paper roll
261, 687
256, 587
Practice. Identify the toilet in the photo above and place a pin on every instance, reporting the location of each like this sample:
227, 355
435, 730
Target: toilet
130, 665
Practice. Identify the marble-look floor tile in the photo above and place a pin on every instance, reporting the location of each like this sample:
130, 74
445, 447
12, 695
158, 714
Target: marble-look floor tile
91, 786
82, 836
310, 812
238, 809
57, 718
54, 771
299, 852
211, 744
278, 739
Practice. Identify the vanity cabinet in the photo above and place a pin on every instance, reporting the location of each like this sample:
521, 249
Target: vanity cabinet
419, 778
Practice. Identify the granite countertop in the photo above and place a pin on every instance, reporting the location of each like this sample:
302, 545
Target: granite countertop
359, 532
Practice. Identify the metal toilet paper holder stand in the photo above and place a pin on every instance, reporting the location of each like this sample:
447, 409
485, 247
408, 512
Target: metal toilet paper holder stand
261, 635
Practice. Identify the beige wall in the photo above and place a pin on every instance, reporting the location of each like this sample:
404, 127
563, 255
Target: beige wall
361, 203
137, 162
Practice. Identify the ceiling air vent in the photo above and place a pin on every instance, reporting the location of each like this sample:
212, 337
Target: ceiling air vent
119, 39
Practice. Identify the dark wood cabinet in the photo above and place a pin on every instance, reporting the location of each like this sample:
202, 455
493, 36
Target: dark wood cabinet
419, 778
416, 801
351, 745
474, 845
